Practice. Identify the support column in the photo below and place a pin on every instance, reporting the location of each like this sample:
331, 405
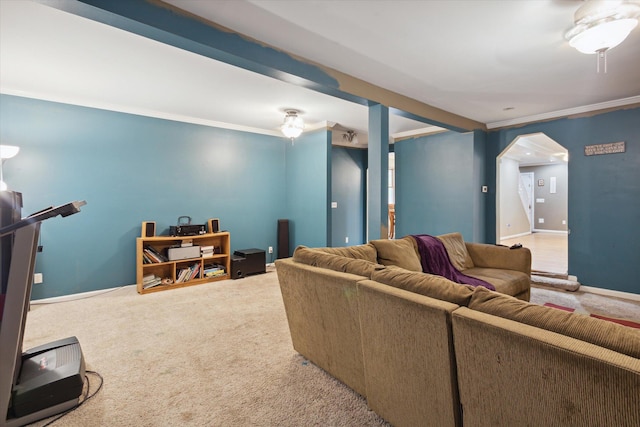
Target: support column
378, 157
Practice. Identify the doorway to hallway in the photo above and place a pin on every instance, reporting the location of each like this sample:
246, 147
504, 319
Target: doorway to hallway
532, 200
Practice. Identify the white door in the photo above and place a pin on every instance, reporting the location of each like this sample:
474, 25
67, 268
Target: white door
525, 189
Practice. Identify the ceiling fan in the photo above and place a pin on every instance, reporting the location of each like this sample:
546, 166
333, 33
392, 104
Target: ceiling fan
601, 25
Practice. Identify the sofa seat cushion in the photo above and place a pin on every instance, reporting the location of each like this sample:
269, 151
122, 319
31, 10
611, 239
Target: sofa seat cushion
322, 259
457, 250
508, 282
605, 334
424, 284
399, 252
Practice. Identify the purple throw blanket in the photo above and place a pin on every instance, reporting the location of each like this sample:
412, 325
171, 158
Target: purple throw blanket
435, 260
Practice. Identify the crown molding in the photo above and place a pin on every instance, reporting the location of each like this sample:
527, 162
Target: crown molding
138, 111
564, 113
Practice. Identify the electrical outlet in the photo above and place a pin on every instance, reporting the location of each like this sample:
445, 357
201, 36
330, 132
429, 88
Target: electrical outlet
37, 278
346, 239
270, 249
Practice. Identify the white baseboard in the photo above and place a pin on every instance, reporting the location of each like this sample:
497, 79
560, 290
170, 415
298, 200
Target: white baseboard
539, 230
513, 236
610, 293
73, 297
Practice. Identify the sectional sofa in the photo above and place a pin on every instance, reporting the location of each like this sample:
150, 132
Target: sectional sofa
425, 351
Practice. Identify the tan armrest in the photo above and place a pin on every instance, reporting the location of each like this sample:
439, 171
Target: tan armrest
492, 256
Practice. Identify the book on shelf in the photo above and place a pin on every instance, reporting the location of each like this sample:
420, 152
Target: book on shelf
214, 270
151, 280
188, 273
153, 255
206, 251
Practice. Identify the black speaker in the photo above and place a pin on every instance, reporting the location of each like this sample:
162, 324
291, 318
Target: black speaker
254, 261
214, 225
283, 238
237, 267
148, 229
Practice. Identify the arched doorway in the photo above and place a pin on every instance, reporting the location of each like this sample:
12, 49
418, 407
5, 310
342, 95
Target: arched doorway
532, 200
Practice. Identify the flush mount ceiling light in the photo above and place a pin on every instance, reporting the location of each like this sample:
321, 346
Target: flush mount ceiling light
293, 125
601, 25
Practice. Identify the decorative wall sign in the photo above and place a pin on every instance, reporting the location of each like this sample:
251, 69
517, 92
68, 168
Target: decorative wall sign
600, 149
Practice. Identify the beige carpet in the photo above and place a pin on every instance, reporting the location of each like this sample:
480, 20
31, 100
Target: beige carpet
217, 354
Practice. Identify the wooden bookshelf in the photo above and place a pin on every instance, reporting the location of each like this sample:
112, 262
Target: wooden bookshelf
158, 264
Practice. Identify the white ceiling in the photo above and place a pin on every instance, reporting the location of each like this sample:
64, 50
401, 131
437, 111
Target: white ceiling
496, 62
536, 149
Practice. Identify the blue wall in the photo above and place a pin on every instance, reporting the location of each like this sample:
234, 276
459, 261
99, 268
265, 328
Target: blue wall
435, 181
131, 169
604, 195
348, 190
308, 176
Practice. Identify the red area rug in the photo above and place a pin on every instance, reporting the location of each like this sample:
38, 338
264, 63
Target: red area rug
624, 322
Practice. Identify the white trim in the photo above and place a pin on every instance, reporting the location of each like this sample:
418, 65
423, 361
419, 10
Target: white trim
610, 293
513, 236
139, 112
567, 112
417, 132
73, 297
539, 230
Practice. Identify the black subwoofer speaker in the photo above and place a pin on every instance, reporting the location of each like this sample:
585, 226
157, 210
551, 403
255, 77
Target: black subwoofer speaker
238, 267
283, 238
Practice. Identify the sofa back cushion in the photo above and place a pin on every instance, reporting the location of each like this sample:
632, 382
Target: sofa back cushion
322, 259
400, 252
365, 252
425, 284
605, 334
457, 250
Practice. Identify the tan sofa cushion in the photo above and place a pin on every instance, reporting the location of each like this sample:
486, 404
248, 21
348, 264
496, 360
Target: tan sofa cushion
366, 252
425, 284
322, 259
508, 282
457, 250
399, 252
605, 334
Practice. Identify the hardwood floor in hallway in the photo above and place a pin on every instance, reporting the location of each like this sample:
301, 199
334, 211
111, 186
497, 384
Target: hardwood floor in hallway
549, 251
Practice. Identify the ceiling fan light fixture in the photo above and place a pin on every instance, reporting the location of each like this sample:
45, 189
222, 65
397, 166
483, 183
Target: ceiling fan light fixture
293, 124
601, 25
604, 36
